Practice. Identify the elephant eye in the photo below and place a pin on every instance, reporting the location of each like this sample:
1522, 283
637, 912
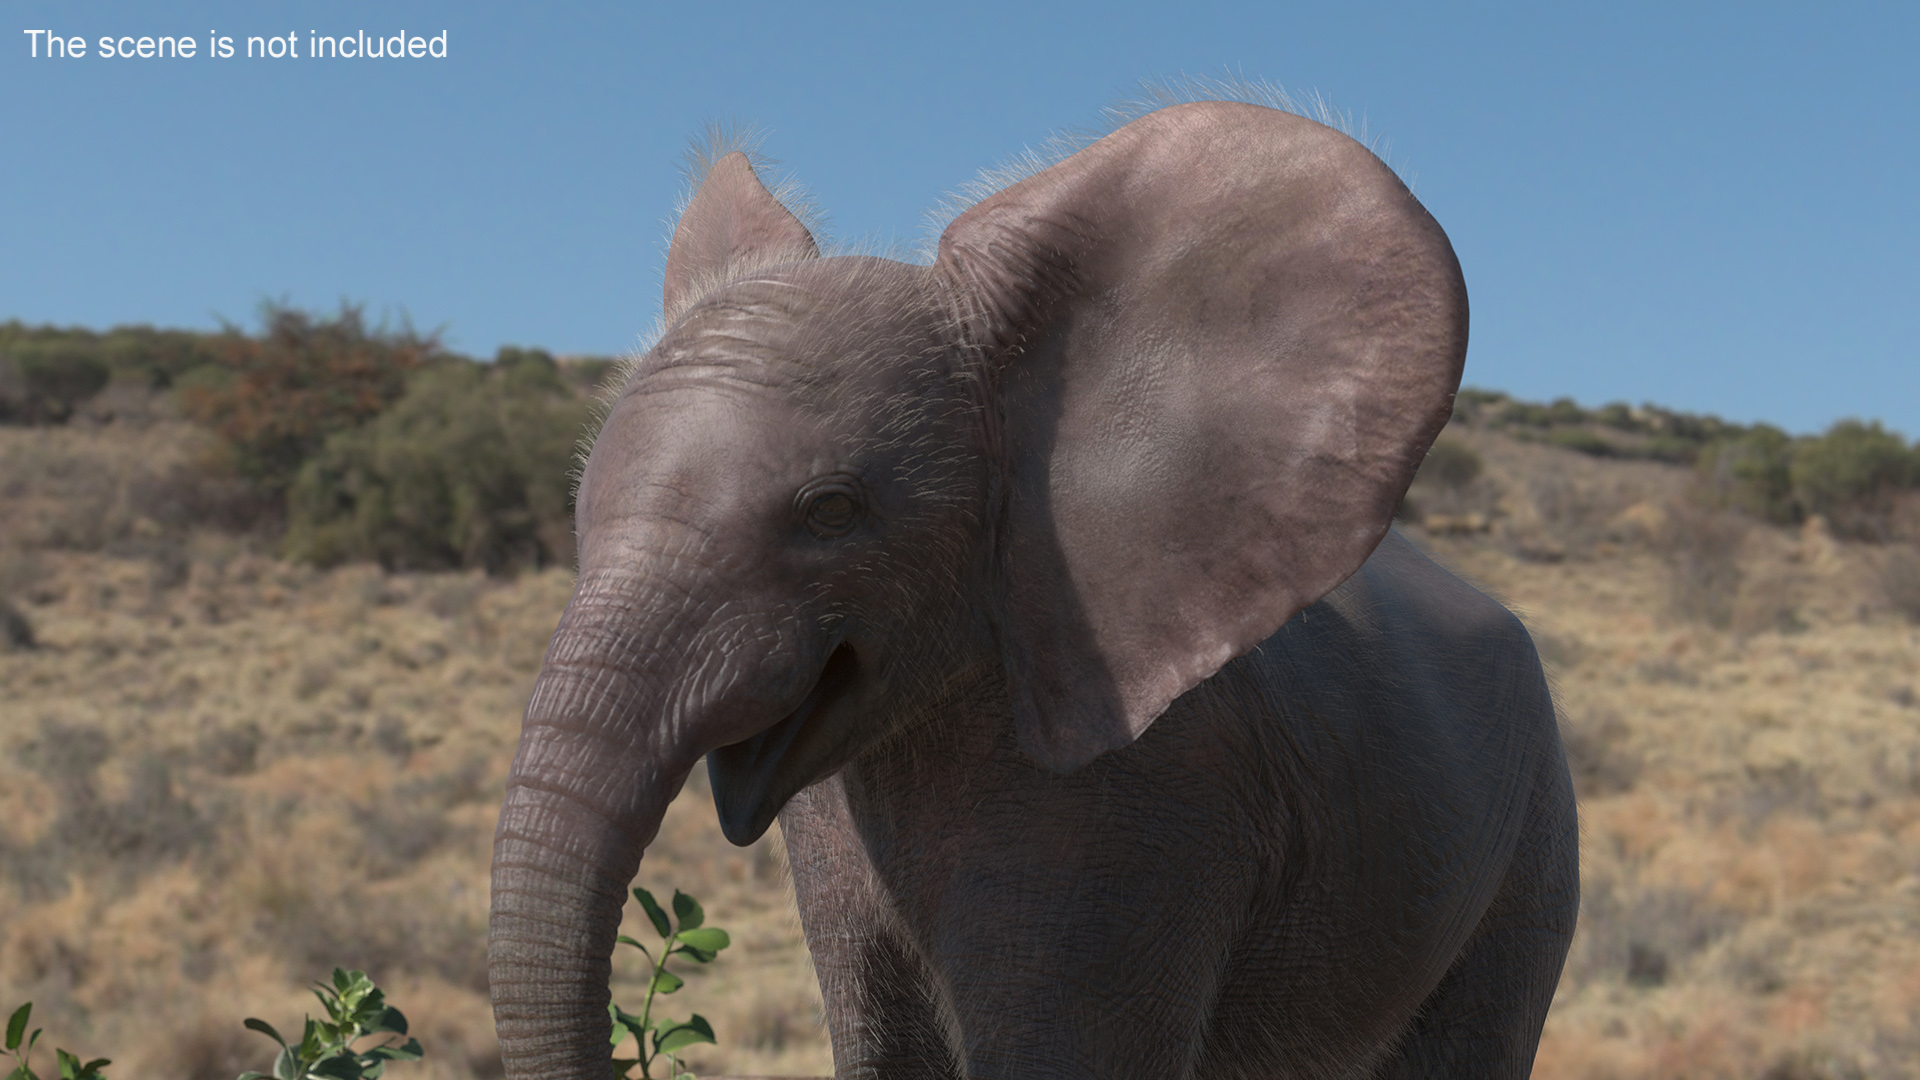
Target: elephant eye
830, 509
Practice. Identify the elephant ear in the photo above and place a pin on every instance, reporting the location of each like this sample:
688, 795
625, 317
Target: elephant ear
1224, 337
732, 226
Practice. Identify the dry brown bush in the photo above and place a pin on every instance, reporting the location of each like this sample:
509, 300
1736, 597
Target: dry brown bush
1599, 753
1901, 579
135, 488
1703, 550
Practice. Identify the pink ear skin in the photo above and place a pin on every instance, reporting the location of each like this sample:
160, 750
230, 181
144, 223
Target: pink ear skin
732, 225
1224, 337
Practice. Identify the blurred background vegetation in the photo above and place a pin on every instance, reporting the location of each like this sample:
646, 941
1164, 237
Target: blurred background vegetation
350, 442
336, 440
1853, 475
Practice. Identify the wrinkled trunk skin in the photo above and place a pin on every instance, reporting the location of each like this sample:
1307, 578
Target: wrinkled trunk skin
585, 796
556, 910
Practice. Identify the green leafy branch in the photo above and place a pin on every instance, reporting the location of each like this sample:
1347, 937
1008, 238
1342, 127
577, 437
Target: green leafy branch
355, 1008
71, 1067
667, 1037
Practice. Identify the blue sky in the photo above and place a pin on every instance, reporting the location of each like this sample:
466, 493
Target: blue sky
1707, 206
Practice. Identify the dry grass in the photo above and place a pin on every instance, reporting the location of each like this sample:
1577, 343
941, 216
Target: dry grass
218, 791
221, 775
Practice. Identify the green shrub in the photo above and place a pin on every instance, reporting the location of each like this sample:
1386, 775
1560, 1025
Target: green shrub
1581, 440
156, 357
43, 381
471, 467
1696, 428
1670, 449
1666, 435
1564, 411
1524, 414
1851, 474
138, 353
355, 1009
276, 398
1450, 464
1752, 474
1617, 415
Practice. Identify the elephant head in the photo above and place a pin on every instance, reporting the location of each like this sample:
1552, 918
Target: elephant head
1144, 406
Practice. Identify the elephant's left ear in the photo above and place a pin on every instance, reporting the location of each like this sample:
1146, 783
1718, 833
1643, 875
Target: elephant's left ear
1224, 337
732, 225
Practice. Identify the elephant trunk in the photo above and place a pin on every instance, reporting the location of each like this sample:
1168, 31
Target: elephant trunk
584, 798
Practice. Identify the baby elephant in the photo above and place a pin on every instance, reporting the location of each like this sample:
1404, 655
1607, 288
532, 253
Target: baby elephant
1045, 594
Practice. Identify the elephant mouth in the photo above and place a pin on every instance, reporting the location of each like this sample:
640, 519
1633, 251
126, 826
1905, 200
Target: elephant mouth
749, 782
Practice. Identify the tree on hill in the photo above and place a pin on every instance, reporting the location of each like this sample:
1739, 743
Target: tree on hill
471, 467
274, 399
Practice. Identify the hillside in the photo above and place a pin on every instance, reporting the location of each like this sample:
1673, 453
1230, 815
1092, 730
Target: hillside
222, 773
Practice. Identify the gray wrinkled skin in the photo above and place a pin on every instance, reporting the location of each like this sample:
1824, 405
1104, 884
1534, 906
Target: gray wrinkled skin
1046, 596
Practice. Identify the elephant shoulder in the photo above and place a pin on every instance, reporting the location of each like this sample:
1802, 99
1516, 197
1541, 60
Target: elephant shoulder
1401, 595
1417, 633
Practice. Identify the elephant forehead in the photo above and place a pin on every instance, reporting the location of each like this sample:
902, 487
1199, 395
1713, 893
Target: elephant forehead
803, 321
698, 435
752, 324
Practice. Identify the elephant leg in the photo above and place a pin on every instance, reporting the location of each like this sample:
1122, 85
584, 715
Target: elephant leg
1484, 1019
885, 1011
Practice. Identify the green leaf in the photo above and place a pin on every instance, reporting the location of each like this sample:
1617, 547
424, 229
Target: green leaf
17, 1025
624, 1021
389, 1019
672, 1037
343, 1067
666, 982
710, 939
369, 1009
622, 1065
406, 1051
251, 1075
257, 1024
71, 1068
286, 1066
21, 1072
652, 908
313, 1042
687, 910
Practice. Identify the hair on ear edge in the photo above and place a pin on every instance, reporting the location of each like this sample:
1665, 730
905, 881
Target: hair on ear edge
703, 152
1152, 95
721, 138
